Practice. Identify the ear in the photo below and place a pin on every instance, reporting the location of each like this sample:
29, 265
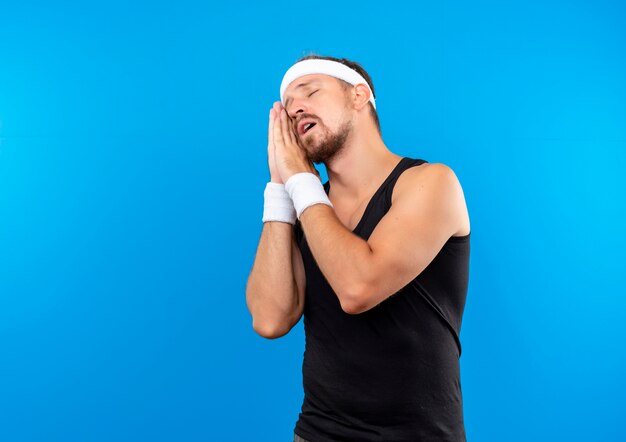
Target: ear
360, 95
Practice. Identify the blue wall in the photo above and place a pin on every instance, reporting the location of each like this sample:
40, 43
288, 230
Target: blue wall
133, 158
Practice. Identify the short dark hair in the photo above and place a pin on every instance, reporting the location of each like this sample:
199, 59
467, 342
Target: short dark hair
357, 67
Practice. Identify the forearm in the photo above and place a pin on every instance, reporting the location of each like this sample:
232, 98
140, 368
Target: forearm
271, 293
343, 257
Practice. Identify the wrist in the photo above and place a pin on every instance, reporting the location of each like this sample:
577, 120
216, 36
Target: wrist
277, 204
306, 189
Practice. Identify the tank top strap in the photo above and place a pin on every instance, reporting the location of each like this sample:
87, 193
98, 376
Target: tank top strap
404, 164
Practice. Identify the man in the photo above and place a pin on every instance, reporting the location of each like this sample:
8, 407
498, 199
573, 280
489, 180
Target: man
377, 260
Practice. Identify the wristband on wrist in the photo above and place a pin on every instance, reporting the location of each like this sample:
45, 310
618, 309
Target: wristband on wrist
277, 204
306, 189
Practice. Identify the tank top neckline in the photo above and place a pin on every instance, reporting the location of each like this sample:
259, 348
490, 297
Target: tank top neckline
370, 203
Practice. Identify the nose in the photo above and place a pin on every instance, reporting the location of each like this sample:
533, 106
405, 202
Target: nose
296, 106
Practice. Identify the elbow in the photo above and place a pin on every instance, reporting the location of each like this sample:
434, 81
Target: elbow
354, 302
352, 309
354, 297
268, 331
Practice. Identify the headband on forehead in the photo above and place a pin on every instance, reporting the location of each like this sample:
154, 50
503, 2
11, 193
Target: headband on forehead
327, 67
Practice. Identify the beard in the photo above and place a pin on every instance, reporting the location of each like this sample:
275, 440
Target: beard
328, 145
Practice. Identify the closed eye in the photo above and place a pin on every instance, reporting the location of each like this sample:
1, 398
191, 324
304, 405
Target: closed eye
313, 92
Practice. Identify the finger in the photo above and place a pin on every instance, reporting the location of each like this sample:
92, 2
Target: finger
285, 126
292, 130
283, 120
277, 107
278, 135
294, 126
270, 132
270, 129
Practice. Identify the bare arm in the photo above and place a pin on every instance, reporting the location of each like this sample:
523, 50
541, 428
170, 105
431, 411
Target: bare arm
429, 210
275, 288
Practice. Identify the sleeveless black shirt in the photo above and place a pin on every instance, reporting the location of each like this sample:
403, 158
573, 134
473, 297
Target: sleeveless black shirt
391, 373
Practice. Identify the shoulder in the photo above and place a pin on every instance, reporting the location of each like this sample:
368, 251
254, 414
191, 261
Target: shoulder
427, 177
433, 188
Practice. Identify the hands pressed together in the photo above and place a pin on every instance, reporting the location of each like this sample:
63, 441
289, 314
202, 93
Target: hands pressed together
286, 156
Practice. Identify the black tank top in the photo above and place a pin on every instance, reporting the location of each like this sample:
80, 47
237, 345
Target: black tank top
391, 373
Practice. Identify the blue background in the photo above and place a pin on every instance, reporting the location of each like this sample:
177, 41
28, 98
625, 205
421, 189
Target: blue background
133, 158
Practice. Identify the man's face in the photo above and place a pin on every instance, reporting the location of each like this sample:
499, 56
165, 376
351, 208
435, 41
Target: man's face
319, 99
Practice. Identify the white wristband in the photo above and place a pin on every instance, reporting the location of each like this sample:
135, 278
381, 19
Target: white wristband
277, 204
306, 189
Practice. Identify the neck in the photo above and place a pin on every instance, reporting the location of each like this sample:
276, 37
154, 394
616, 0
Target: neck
361, 165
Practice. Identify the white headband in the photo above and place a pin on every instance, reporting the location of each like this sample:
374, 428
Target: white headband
327, 67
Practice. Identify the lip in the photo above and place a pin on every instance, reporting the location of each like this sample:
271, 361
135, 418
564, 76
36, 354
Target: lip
303, 123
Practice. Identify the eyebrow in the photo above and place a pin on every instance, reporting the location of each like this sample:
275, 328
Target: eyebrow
305, 84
